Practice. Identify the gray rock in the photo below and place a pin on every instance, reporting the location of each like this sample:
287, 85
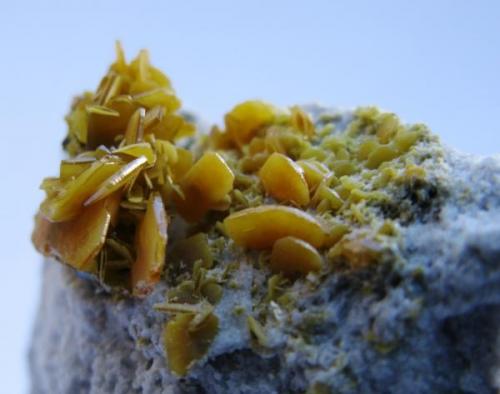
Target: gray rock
429, 324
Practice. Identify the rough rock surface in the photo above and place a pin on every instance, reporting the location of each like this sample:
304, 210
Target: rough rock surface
430, 326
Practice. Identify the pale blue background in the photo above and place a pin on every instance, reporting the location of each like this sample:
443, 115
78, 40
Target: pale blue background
432, 61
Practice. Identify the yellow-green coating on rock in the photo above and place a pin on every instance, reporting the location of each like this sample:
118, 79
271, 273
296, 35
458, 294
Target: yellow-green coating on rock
302, 198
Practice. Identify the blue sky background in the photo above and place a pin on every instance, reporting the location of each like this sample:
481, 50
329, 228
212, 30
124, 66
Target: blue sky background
431, 61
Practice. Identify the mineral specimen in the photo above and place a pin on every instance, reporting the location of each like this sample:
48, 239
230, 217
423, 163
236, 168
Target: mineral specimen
294, 250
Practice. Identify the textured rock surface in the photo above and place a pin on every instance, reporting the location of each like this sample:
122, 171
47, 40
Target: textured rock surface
429, 325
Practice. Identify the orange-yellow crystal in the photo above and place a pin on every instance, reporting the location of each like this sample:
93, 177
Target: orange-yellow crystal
71, 168
185, 344
205, 185
314, 172
260, 227
292, 256
246, 119
118, 180
69, 202
151, 242
284, 180
78, 241
211, 177
102, 128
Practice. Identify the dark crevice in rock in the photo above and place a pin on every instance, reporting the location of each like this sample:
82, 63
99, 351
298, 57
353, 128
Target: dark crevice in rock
252, 373
417, 199
470, 340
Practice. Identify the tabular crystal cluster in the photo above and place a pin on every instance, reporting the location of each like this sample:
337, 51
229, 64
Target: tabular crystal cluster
298, 197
